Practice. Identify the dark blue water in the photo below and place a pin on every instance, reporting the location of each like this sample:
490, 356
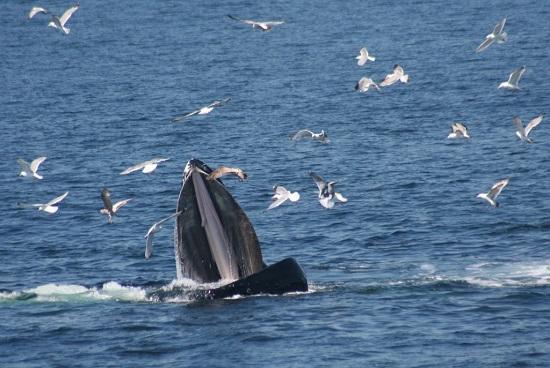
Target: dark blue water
413, 271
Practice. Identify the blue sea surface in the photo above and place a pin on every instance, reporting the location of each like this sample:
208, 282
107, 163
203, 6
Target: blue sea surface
414, 271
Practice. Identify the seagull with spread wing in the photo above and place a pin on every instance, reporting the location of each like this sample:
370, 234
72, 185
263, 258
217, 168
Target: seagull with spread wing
523, 133
50, 207
513, 79
497, 35
491, 196
262, 26
203, 110
282, 195
109, 209
364, 56
459, 130
365, 84
59, 22
224, 170
30, 170
146, 167
397, 75
305, 133
155, 228
327, 194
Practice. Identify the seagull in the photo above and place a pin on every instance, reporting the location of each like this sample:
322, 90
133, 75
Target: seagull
459, 131
203, 110
223, 170
35, 10
281, 195
363, 57
145, 167
59, 22
364, 85
304, 133
513, 79
497, 35
263, 26
327, 195
30, 170
152, 231
49, 207
492, 195
398, 74
523, 133
109, 209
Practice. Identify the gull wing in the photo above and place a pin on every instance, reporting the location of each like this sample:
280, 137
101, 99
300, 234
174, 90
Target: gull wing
280, 190
486, 43
149, 167
24, 165
36, 162
340, 197
533, 123
318, 181
273, 22
149, 244
106, 197
57, 199
219, 102
516, 76
119, 204
168, 218
276, 202
459, 127
186, 115
241, 20
304, 133
391, 78
497, 188
519, 125
499, 27
68, 13
134, 168
35, 10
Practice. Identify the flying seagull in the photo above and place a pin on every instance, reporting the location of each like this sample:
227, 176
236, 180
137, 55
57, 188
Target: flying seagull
50, 207
304, 133
523, 133
145, 167
398, 74
35, 10
262, 26
59, 22
513, 79
365, 84
152, 231
492, 195
364, 56
30, 170
203, 110
497, 35
223, 170
327, 195
108, 208
281, 195
459, 131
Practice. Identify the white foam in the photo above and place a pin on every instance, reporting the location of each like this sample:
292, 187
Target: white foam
128, 293
9, 295
502, 274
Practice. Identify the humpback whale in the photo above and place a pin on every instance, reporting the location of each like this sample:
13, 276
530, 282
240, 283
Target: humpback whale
214, 241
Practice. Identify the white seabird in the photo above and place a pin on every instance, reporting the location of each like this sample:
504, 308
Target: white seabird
459, 131
146, 167
305, 133
152, 231
523, 133
327, 195
262, 26
491, 196
203, 110
59, 22
398, 74
497, 35
282, 195
364, 56
224, 170
109, 209
35, 10
30, 170
513, 79
49, 207
364, 84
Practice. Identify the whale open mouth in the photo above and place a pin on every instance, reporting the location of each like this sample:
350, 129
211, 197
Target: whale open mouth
213, 238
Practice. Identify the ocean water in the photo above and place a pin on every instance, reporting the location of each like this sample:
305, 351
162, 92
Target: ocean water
413, 271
